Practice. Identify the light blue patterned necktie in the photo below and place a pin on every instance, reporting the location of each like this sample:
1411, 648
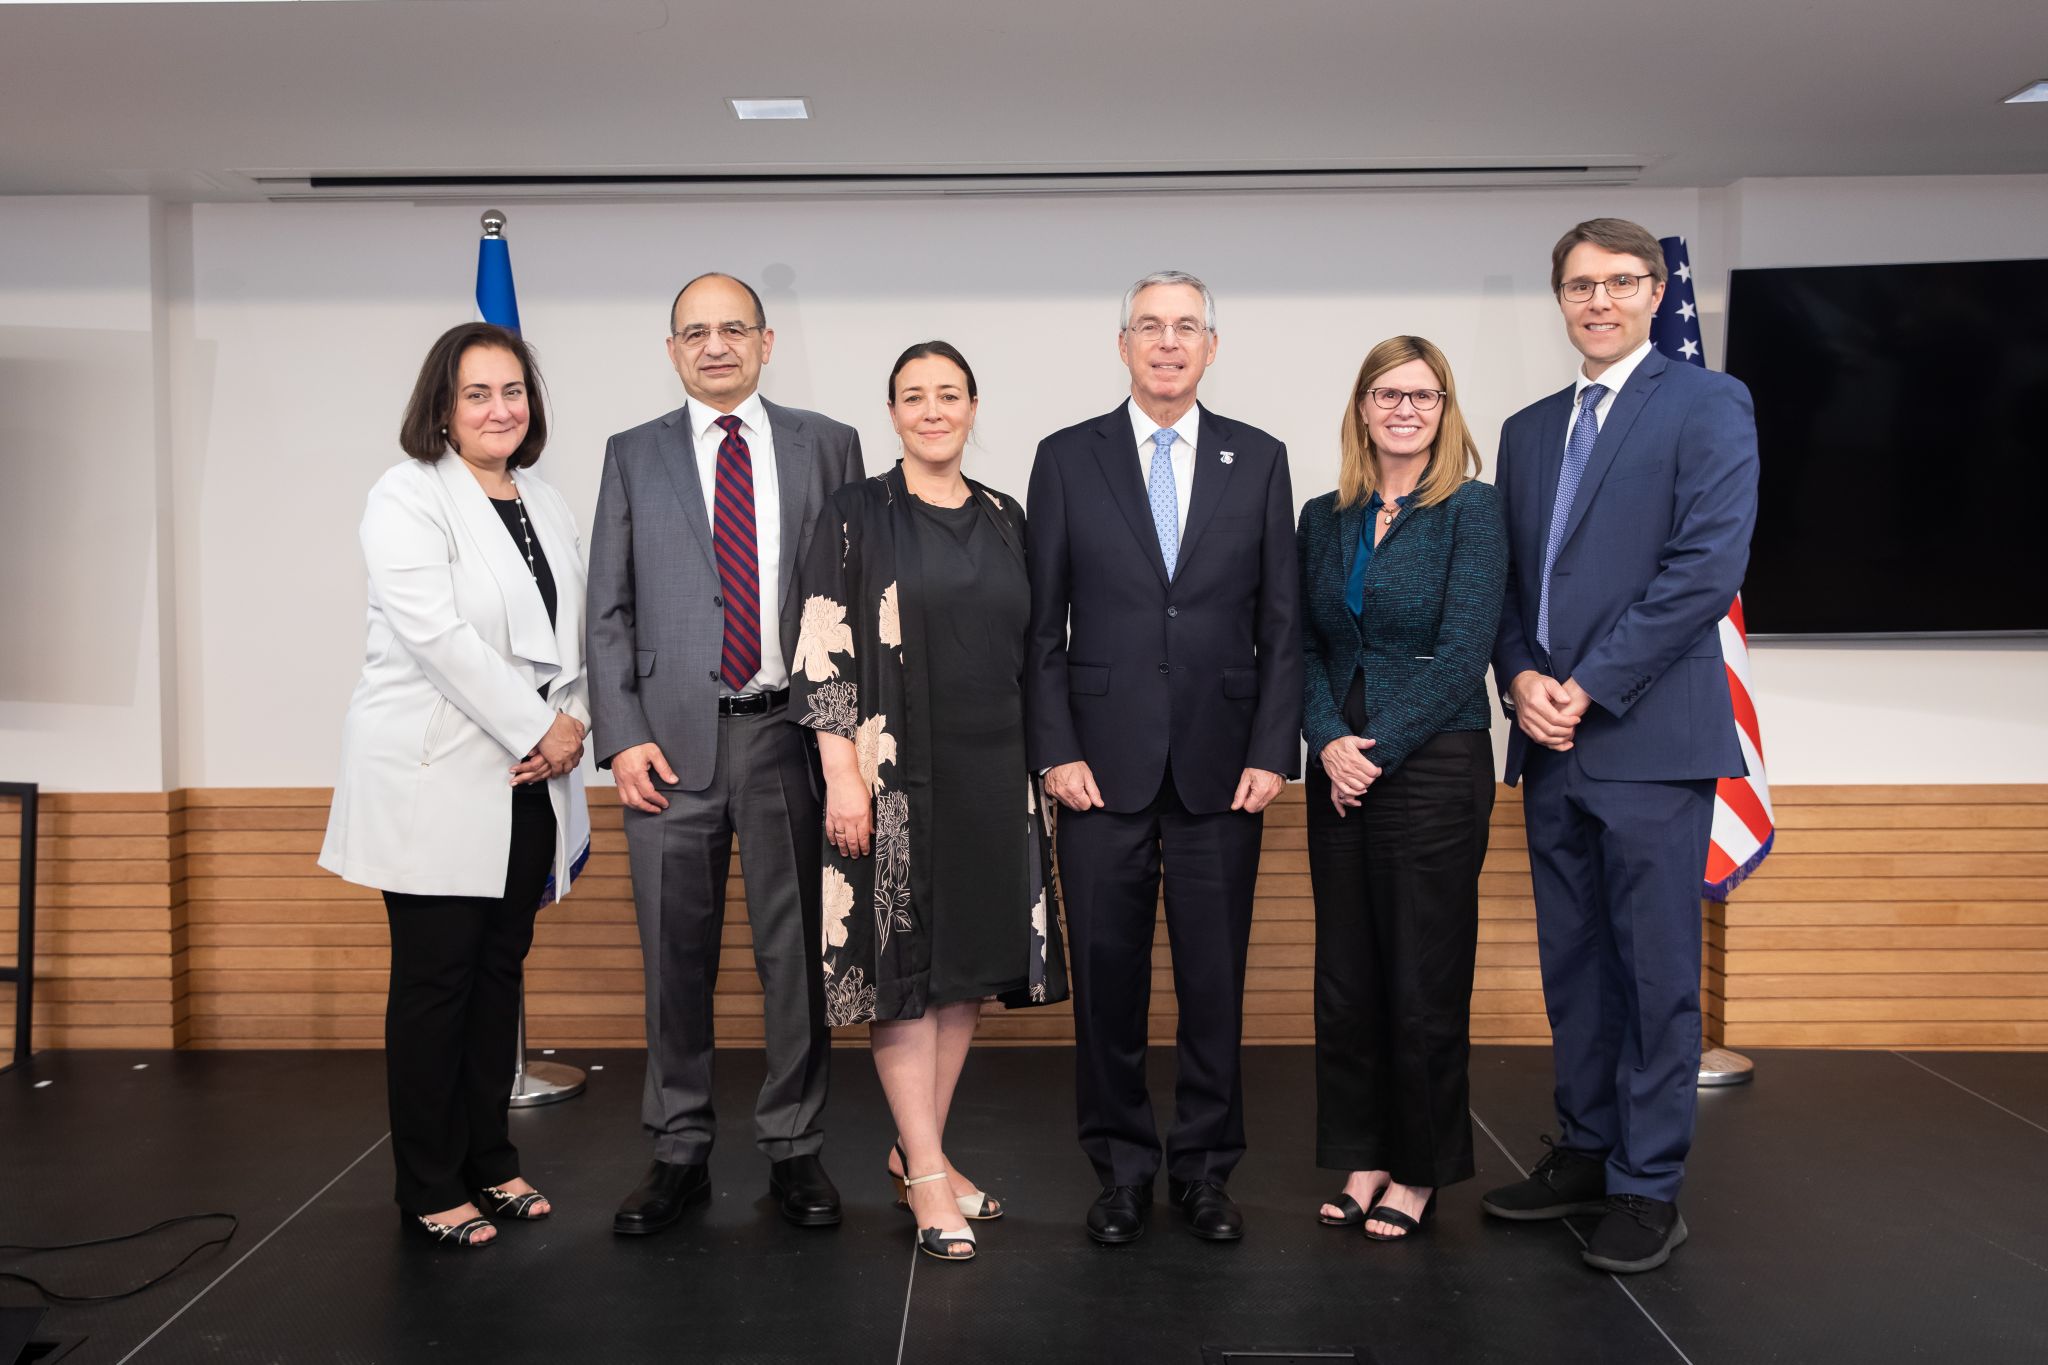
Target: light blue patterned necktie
1165, 504
1577, 450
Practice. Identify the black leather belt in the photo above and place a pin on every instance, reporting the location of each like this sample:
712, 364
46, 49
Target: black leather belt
752, 703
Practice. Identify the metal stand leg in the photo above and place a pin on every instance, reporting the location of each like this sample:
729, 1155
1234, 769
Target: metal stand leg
540, 1082
1720, 1066
23, 972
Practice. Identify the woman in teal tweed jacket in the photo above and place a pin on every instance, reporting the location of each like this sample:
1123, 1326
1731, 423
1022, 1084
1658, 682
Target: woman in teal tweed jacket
1402, 573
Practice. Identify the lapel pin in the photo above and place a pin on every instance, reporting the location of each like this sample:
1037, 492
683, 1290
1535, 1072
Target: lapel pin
1226, 457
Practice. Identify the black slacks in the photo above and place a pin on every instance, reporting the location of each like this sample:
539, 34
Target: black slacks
1396, 885
452, 1020
1109, 866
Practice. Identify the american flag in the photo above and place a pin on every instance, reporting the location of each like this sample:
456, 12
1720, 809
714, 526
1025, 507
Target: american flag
1743, 825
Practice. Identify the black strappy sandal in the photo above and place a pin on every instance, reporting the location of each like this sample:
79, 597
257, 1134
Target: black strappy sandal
1353, 1213
1351, 1216
520, 1206
1409, 1226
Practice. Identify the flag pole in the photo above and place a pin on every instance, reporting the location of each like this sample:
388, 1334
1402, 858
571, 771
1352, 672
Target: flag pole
1743, 825
532, 1082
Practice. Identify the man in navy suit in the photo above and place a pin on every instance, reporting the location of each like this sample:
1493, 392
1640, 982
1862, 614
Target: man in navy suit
1631, 496
1163, 701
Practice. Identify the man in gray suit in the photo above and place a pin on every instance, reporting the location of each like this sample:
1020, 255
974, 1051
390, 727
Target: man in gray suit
702, 518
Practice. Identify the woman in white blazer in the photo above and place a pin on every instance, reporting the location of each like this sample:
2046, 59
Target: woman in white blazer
460, 796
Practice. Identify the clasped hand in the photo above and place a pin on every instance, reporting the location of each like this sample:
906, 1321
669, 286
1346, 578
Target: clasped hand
558, 752
1351, 772
1549, 711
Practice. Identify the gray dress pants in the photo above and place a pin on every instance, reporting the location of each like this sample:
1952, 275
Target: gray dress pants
761, 789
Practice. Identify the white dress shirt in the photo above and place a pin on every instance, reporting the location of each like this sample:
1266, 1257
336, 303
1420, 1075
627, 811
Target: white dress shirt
1182, 456
774, 673
1614, 376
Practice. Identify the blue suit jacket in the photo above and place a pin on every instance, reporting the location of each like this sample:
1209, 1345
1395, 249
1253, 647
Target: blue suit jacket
1125, 664
1652, 557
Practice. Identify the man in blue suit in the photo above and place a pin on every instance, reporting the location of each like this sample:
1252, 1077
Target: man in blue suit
1631, 496
1163, 703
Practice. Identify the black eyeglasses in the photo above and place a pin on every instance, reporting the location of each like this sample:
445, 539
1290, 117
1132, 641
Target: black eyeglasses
1617, 287
1423, 399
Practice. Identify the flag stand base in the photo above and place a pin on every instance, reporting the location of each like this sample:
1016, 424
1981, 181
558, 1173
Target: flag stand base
540, 1082
1718, 1066
545, 1083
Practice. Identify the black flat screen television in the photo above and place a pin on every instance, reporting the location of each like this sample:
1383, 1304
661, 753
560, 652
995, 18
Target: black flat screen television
1902, 429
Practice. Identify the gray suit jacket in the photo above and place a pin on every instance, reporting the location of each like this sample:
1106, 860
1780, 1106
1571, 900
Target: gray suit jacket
655, 626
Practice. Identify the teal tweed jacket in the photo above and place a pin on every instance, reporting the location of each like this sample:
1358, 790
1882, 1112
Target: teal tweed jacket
1432, 608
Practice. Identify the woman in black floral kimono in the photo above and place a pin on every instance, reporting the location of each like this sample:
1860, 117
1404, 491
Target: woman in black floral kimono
938, 891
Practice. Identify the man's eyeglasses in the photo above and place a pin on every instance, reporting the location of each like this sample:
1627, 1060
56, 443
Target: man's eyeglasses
1151, 329
1423, 399
731, 333
1617, 287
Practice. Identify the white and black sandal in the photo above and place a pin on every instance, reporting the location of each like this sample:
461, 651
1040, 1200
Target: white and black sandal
458, 1234
980, 1206
946, 1246
509, 1205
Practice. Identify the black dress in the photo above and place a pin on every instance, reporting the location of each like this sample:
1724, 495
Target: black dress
977, 610
911, 649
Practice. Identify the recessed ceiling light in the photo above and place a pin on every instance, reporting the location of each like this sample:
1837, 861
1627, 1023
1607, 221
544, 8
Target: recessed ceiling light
2037, 93
788, 106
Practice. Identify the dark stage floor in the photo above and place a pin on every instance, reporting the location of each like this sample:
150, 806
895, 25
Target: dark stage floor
1861, 1207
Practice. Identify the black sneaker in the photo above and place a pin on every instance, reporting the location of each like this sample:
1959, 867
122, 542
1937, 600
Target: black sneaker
1564, 1183
1638, 1233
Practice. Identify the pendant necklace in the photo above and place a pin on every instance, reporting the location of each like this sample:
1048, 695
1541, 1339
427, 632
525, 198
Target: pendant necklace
525, 533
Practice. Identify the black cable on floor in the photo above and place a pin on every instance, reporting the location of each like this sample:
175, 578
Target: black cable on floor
234, 1225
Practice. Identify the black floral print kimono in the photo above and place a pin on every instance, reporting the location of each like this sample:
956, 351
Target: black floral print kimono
859, 672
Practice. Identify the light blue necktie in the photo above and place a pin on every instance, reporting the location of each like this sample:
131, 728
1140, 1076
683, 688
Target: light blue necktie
1165, 505
1577, 450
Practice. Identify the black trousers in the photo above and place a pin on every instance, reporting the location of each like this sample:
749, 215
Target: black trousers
1109, 867
1396, 886
452, 1020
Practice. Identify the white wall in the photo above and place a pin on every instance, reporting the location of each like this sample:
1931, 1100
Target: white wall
289, 336
82, 703
1964, 711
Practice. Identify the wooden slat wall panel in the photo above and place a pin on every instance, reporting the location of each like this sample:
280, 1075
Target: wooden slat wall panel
109, 923
1889, 916
1895, 917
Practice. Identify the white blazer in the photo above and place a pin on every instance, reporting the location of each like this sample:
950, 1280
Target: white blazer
450, 697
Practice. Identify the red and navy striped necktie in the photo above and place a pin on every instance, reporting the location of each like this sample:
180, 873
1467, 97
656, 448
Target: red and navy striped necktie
734, 541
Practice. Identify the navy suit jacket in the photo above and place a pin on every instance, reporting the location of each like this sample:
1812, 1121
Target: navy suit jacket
1123, 664
1653, 554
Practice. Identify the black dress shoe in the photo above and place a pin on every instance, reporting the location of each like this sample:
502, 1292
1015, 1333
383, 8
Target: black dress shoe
1638, 1233
1565, 1183
1118, 1214
1211, 1213
668, 1189
808, 1197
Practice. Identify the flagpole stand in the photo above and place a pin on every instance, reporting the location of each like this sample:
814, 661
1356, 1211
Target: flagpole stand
540, 1082
1718, 1066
